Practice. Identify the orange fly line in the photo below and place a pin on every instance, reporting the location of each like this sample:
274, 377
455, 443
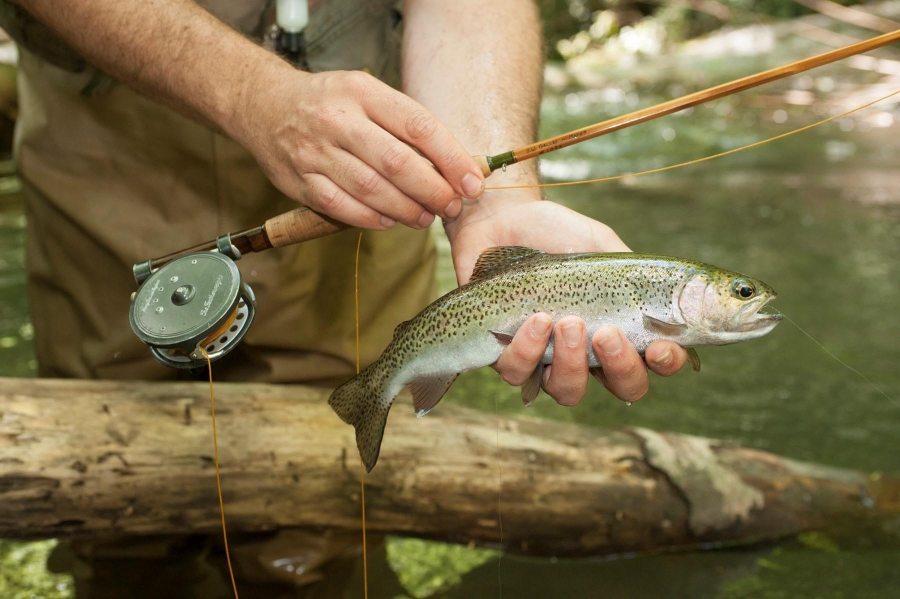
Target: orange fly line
212, 407
362, 472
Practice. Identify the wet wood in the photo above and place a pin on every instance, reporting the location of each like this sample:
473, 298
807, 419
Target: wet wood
98, 458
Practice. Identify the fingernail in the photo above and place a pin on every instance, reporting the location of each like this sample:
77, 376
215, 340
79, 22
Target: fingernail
453, 208
573, 333
610, 342
541, 326
387, 223
426, 219
665, 359
472, 185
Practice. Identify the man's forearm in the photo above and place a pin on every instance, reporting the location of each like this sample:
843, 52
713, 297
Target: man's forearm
170, 50
478, 67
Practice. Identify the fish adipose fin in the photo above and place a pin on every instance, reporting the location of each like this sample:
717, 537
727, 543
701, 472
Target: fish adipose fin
693, 358
362, 403
497, 259
532, 386
427, 392
668, 329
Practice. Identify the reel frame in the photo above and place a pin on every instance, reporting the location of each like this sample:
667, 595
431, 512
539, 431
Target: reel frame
194, 307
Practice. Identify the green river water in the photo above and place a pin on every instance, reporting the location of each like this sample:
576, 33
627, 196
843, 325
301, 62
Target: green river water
817, 216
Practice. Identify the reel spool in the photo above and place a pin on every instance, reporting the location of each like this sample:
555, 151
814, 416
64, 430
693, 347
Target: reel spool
196, 302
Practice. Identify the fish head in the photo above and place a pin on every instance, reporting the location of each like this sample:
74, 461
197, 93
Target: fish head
723, 307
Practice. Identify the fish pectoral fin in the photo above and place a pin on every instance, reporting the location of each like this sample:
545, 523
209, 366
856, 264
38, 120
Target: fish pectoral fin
661, 327
497, 259
503, 338
693, 358
532, 386
428, 391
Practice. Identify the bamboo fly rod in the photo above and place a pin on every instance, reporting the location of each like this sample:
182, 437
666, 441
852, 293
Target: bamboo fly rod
303, 224
491, 163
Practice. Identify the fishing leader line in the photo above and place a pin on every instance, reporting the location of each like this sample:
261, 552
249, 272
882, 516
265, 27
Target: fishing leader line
698, 160
827, 351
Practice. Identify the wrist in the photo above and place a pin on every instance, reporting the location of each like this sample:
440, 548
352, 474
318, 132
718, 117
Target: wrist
260, 91
494, 202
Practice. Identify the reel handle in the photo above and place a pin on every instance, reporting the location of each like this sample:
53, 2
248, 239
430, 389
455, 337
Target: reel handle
299, 225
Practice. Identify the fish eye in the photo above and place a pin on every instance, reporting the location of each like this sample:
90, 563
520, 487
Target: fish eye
742, 289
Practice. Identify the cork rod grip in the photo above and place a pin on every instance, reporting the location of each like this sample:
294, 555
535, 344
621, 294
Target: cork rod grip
299, 225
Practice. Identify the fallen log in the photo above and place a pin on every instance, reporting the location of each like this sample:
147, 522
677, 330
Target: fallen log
99, 458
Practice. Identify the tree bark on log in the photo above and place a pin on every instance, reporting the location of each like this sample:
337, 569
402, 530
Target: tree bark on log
89, 458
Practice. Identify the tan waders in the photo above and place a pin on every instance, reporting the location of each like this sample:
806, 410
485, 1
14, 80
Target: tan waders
111, 179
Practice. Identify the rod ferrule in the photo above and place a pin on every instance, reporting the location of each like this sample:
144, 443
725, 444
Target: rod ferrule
501, 160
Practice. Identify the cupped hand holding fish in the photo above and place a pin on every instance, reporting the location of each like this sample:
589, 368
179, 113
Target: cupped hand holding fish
553, 228
649, 298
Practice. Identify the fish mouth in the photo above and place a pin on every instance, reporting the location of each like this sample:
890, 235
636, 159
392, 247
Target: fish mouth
752, 317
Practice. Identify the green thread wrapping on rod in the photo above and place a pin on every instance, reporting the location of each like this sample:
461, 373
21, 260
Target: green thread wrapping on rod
501, 160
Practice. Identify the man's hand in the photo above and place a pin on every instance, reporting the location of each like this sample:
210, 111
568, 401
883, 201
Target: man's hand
335, 141
338, 143
498, 221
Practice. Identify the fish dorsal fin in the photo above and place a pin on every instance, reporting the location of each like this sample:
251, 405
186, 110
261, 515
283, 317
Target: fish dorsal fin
428, 391
497, 259
661, 327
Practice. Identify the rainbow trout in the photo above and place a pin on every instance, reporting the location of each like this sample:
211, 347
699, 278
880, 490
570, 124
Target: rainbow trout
648, 297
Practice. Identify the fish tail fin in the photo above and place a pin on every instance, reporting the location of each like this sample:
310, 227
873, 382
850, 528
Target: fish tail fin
362, 402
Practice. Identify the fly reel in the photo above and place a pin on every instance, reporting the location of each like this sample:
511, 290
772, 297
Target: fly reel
192, 307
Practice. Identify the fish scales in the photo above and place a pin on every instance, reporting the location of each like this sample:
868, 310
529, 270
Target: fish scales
648, 297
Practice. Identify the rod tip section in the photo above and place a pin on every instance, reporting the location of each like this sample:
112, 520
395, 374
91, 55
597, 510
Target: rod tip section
484, 165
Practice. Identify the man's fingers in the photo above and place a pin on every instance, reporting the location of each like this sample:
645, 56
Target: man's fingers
366, 185
567, 379
407, 120
624, 371
522, 356
321, 194
665, 358
413, 175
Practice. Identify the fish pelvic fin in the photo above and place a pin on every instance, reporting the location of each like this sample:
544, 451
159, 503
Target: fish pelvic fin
503, 338
362, 402
428, 391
